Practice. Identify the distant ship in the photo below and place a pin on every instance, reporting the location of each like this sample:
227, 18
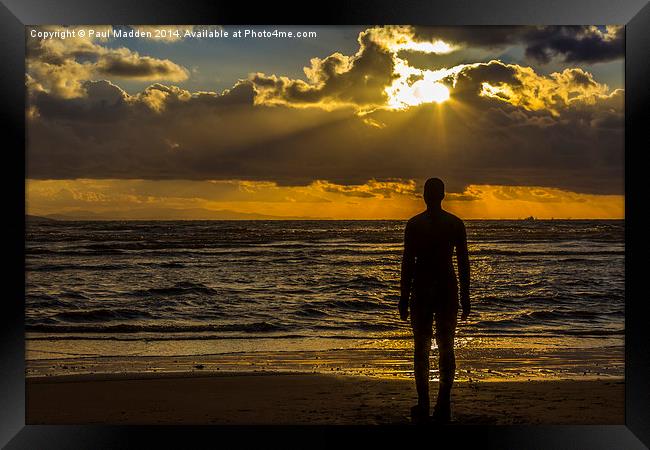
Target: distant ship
529, 219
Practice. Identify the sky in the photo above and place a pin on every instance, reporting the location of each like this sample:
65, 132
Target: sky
347, 123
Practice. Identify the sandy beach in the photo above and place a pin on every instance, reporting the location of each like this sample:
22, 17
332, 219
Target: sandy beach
290, 398
368, 382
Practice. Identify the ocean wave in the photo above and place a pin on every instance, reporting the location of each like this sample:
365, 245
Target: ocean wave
493, 251
204, 337
230, 250
353, 305
255, 327
183, 287
73, 267
370, 326
551, 297
45, 301
523, 333
356, 282
163, 265
595, 332
73, 252
72, 295
310, 311
550, 317
101, 315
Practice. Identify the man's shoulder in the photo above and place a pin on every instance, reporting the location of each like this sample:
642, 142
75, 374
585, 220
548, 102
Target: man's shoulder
424, 218
453, 218
417, 219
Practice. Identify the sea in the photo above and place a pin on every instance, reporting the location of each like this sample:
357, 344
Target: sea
139, 288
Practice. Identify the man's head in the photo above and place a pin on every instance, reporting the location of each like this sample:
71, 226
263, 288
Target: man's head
434, 191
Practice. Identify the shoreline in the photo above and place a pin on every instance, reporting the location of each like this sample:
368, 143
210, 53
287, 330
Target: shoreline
389, 360
299, 398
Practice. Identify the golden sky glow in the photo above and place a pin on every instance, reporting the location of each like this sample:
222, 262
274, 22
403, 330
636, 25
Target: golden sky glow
373, 200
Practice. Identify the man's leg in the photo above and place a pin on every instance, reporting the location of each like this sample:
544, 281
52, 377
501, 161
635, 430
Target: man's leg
422, 323
447, 368
445, 331
421, 369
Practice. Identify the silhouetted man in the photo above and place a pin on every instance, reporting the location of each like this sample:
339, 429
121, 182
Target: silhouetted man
429, 282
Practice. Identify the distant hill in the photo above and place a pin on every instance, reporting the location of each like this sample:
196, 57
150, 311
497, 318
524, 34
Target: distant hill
167, 214
76, 215
30, 218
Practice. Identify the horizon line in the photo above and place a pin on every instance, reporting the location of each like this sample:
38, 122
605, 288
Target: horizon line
307, 219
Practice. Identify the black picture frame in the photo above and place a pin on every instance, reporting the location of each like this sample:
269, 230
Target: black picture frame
15, 14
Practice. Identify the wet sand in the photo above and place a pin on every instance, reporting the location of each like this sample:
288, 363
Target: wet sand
388, 359
298, 398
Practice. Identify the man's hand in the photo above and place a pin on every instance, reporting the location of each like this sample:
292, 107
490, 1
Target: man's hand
464, 302
403, 310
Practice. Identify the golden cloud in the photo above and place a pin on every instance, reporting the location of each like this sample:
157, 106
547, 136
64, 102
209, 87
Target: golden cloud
378, 77
360, 80
60, 66
535, 92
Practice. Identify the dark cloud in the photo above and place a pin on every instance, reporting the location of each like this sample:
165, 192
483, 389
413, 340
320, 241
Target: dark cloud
169, 133
479, 36
135, 66
104, 102
576, 44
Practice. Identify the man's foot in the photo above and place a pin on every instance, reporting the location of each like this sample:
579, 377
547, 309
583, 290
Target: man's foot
419, 414
441, 414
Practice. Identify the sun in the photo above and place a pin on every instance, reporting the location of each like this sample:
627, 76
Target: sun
402, 95
427, 92
413, 86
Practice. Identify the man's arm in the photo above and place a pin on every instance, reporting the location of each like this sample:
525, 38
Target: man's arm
462, 257
408, 264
